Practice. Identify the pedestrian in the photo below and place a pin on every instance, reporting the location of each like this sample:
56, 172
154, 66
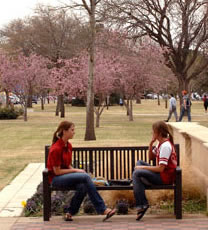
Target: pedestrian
185, 106
205, 99
172, 108
62, 174
121, 102
162, 173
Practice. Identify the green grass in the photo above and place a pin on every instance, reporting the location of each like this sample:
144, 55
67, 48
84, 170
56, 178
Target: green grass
23, 142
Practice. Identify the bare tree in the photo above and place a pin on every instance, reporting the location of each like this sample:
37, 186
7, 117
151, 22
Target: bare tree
179, 26
89, 7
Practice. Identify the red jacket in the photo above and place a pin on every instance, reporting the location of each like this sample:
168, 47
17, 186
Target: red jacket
60, 155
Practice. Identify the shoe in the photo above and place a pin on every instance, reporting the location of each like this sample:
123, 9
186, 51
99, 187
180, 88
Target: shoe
68, 217
141, 212
109, 214
165, 120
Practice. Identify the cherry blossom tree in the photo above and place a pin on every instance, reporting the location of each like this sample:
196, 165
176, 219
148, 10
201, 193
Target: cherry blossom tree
69, 77
7, 70
139, 70
105, 74
22, 74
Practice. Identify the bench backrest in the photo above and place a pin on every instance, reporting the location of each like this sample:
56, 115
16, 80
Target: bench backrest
110, 162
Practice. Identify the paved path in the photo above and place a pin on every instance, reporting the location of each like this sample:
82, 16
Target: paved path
189, 222
20, 189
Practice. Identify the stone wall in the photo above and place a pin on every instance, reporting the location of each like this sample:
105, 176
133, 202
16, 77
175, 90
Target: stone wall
193, 140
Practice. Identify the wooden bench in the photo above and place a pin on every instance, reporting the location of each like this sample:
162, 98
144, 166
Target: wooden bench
112, 163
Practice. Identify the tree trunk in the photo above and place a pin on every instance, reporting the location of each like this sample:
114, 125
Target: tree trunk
158, 99
42, 103
166, 102
58, 105
62, 108
107, 101
138, 101
131, 110
97, 119
25, 108
127, 108
29, 99
90, 129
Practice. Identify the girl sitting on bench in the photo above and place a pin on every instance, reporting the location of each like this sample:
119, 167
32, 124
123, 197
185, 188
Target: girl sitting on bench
62, 174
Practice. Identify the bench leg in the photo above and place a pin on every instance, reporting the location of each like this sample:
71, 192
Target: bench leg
46, 203
174, 201
178, 201
46, 206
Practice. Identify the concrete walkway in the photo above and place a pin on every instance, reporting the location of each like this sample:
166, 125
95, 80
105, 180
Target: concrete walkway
20, 189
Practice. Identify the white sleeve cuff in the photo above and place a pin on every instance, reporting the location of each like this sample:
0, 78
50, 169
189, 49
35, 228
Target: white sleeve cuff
163, 163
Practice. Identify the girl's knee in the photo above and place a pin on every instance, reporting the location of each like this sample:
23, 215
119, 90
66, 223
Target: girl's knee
87, 177
139, 162
136, 173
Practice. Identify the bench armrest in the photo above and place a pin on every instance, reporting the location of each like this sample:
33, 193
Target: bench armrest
45, 174
178, 171
178, 175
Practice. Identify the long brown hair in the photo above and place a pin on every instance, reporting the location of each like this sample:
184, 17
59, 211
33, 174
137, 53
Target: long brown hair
64, 125
162, 129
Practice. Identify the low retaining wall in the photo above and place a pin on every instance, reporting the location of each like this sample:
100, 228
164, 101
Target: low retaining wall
193, 140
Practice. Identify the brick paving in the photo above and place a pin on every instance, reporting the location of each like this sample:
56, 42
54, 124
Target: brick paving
116, 223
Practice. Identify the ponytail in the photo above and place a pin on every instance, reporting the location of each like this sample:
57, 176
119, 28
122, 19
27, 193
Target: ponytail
64, 125
170, 137
162, 129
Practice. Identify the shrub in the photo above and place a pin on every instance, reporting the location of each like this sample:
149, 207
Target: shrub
10, 113
78, 102
59, 202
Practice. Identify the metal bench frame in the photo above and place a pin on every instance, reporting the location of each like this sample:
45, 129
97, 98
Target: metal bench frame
108, 162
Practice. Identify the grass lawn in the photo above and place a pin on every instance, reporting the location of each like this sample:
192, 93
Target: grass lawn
23, 142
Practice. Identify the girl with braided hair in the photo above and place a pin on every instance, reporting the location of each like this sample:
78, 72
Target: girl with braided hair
62, 174
162, 173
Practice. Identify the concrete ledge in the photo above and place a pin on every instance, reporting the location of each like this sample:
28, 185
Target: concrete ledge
193, 140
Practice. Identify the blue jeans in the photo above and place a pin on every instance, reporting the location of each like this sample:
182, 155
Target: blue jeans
139, 175
83, 185
188, 109
170, 114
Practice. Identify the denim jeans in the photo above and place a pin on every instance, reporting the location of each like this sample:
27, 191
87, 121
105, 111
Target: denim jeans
188, 109
170, 114
139, 186
83, 185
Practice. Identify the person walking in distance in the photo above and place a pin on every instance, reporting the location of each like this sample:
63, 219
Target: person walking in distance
205, 100
172, 108
185, 106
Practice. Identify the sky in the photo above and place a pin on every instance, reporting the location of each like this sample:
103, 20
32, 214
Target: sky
13, 9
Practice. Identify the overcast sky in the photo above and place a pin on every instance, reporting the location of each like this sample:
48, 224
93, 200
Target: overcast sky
13, 9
